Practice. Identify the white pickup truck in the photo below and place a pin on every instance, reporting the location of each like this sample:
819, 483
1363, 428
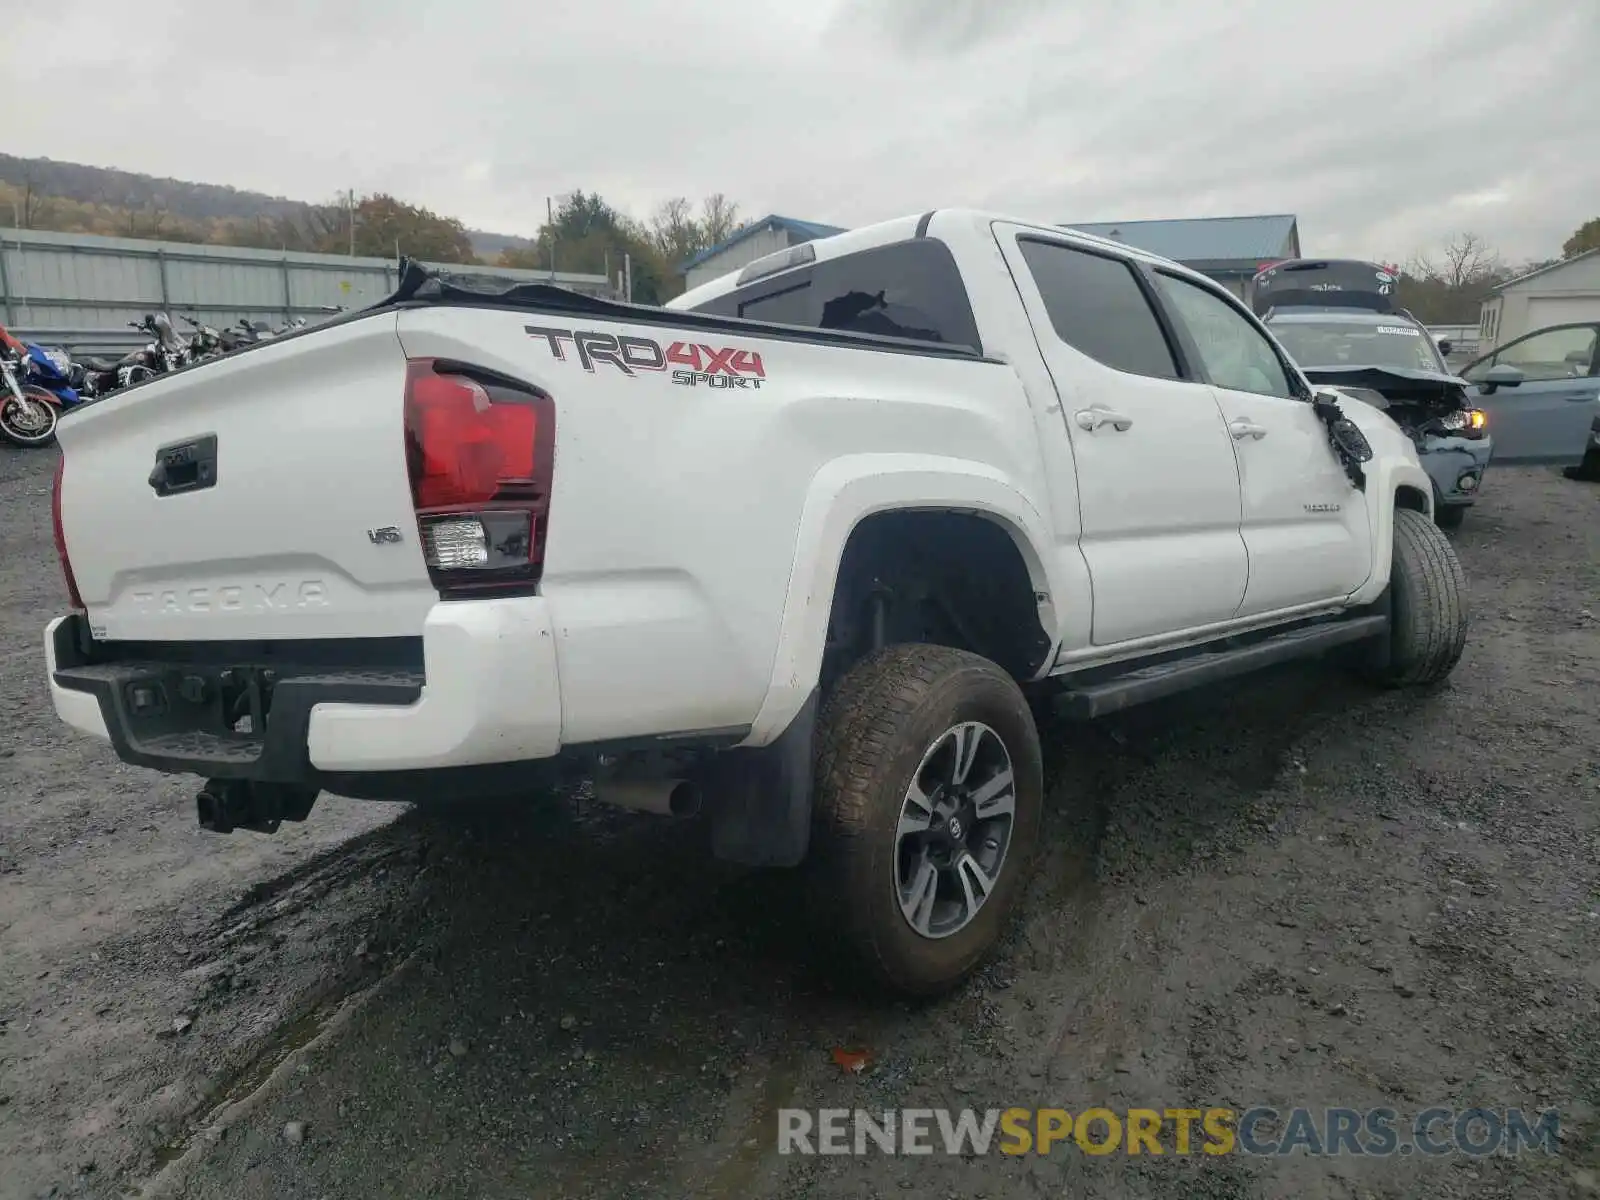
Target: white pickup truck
803, 548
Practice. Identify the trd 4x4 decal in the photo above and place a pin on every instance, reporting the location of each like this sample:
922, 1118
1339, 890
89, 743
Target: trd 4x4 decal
692, 364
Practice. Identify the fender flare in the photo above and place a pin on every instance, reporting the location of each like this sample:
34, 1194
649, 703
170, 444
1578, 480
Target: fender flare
843, 493
44, 394
1385, 485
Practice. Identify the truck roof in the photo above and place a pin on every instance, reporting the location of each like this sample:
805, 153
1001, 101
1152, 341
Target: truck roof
898, 229
1310, 314
1324, 283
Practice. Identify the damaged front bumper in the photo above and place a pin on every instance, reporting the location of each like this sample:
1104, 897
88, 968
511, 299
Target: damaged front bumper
1456, 466
1424, 404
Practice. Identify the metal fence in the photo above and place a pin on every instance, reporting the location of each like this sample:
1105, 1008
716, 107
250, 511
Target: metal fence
85, 290
80, 342
1464, 342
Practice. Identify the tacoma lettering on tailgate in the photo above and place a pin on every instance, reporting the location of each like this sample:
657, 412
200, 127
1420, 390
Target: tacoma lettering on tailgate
693, 364
255, 597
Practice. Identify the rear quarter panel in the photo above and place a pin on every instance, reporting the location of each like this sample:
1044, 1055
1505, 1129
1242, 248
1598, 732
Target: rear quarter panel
678, 547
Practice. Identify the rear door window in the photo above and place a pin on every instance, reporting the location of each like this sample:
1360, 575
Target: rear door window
1096, 305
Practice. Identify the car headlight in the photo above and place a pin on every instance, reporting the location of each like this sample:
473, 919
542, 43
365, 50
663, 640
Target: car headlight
1470, 422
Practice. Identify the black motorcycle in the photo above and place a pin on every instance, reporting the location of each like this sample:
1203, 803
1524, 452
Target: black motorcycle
168, 349
102, 376
204, 341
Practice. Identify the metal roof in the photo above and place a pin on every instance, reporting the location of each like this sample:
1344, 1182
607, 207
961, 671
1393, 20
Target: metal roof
1555, 266
1205, 239
804, 230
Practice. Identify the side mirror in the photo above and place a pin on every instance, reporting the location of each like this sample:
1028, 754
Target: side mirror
1445, 346
1501, 375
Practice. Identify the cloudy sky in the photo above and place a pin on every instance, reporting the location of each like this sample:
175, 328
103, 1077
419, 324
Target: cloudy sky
1386, 125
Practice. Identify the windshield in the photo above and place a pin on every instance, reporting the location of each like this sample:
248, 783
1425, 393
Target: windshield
1400, 344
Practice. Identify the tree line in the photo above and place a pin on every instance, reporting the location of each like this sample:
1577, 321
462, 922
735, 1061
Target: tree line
588, 234
584, 234
368, 226
1447, 288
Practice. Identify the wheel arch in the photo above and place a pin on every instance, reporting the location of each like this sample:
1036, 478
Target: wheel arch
845, 498
1395, 485
1415, 498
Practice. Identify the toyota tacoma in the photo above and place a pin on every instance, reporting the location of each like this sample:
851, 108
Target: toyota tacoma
803, 552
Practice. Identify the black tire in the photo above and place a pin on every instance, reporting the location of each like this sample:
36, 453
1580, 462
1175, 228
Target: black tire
31, 430
1450, 516
877, 727
1428, 605
1588, 469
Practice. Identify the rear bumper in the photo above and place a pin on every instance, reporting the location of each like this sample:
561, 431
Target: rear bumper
479, 687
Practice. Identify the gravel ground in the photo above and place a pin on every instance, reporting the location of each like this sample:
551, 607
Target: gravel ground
1291, 891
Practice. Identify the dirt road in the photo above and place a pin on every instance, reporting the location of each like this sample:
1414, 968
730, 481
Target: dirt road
1291, 891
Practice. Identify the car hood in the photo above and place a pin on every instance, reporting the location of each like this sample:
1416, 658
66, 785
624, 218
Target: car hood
1400, 384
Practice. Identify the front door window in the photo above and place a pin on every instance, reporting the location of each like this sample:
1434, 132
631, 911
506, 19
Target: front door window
1565, 353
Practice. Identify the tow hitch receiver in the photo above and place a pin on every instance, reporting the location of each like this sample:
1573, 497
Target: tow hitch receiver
224, 805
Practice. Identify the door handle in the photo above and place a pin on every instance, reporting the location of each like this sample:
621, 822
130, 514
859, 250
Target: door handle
1247, 429
1092, 418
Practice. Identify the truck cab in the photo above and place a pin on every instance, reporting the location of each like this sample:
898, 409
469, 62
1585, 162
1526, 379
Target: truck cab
1162, 415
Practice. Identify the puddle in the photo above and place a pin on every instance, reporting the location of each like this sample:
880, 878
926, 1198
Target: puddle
275, 1050
735, 1178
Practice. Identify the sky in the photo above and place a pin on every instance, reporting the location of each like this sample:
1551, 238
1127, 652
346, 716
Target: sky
1386, 126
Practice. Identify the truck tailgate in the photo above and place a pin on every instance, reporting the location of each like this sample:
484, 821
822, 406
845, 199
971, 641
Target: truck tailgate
259, 497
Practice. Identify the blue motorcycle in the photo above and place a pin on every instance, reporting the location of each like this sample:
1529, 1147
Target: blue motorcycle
52, 371
28, 410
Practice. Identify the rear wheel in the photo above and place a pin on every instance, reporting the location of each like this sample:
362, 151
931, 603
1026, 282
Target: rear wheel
929, 794
30, 421
1428, 606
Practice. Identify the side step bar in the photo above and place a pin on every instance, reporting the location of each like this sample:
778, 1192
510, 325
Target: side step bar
1169, 678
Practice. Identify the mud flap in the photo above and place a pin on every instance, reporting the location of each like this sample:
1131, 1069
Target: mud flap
760, 797
1373, 655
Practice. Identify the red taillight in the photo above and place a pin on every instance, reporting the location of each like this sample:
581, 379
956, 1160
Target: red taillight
60, 534
479, 450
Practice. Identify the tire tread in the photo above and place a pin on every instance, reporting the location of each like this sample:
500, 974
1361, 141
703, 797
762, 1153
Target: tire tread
1430, 610
861, 730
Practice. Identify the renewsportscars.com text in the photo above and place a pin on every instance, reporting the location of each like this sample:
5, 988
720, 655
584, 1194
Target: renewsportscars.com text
1264, 1131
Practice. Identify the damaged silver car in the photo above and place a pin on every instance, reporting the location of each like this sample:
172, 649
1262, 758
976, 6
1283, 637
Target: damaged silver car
1338, 321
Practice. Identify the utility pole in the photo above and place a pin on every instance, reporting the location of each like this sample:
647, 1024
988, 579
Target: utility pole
350, 207
550, 232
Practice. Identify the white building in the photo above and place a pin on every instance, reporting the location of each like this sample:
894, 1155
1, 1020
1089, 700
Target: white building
757, 239
1564, 293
